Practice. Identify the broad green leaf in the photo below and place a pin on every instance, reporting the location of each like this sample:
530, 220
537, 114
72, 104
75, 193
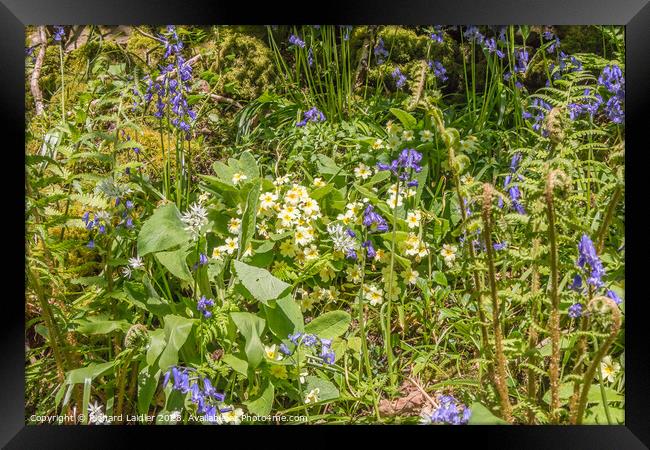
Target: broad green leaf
247, 229
251, 327
248, 165
285, 318
177, 329
175, 262
237, 364
326, 389
408, 121
263, 404
147, 383
330, 325
259, 283
99, 326
90, 371
224, 172
482, 416
162, 231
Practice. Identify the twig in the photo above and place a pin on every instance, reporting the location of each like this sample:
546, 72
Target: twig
222, 99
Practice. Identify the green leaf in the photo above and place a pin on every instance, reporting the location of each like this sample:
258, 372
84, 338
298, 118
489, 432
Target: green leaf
251, 327
90, 371
162, 231
439, 278
330, 325
285, 318
248, 165
259, 283
237, 364
247, 229
482, 416
175, 262
326, 389
177, 329
156, 345
263, 404
99, 326
147, 384
407, 119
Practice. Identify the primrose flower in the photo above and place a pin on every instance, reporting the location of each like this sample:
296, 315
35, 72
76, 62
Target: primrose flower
234, 225
609, 368
374, 295
312, 396
268, 200
271, 353
232, 416
449, 253
231, 245
362, 171
426, 136
413, 219
238, 178
318, 182
410, 276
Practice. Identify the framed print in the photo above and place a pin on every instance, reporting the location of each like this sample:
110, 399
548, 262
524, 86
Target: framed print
349, 219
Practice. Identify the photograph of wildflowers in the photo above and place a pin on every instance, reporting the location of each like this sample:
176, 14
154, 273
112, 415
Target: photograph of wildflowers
325, 224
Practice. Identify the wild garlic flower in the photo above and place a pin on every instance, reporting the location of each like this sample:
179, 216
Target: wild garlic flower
136, 263
195, 219
342, 241
96, 416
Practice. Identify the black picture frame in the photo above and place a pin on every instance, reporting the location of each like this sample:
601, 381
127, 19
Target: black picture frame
634, 14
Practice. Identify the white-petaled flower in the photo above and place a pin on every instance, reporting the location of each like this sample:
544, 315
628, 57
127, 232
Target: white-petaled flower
126, 271
394, 201
96, 415
268, 200
303, 376
310, 207
407, 135
326, 273
238, 178
318, 182
362, 171
413, 219
347, 218
136, 263
312, 396
111, 189
249, 251
231, 245
232, 417
374, 295
310, 252
342, 241
217, 252
204, 197
292, 196
234, 225
410, 276
412, 245
426, 135
303, 236
609, 368
394, 141
448, 252
263, 228
354, 274
281, 180
272, 353
103, 215
195, 219
379, 255
378, 144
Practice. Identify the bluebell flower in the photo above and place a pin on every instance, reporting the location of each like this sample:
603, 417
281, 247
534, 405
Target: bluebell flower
380, 52
203, 306
521, 60
129, 204
295, 337
351, 233
437, 35
439, 70
399, 77
284, 349
576, 285
472, 33
203, 259
310, 57
370, 250
59, 32
575, 310
346, 31
295, 40
311, 115
373, 220
450, 412
549, 36
588, 257
500, 246
129, 222
90, 244
413, 183
351, 253
309, 339
614, 296
491, 47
